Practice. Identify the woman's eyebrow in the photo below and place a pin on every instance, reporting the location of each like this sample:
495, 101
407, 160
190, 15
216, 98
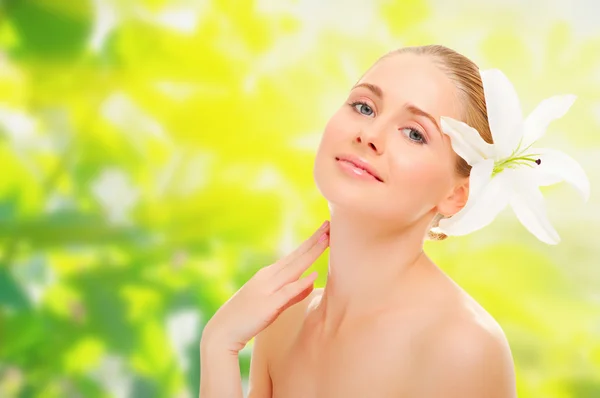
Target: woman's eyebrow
374, 89
418, 111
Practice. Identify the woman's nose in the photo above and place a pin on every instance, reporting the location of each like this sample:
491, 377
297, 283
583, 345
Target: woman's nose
373, 138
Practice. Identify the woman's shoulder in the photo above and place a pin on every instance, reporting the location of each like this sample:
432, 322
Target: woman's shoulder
454, 340
466, 333
470, 345
461, 312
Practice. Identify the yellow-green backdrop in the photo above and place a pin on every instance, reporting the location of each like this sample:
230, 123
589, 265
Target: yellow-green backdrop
154, 154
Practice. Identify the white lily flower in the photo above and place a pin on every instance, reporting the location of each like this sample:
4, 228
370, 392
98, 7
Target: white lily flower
510, 171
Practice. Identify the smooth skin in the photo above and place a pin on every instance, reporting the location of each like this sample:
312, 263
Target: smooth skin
389, 322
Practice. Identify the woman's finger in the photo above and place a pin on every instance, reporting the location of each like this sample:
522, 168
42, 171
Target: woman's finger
288, 292
305, 246
303, 262
303, 294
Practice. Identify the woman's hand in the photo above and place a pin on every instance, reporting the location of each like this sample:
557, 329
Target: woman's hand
266, 295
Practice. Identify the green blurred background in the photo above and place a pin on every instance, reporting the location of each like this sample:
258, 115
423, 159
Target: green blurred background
155, 153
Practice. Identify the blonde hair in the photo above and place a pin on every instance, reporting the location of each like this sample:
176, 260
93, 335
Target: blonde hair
464, 73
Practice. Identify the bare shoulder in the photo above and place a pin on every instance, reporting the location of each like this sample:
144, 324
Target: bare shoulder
469, 360
467, 354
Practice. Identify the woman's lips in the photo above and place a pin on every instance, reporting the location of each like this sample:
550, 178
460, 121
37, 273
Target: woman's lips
357, 168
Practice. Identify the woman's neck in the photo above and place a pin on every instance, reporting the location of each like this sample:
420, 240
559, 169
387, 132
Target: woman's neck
369, 268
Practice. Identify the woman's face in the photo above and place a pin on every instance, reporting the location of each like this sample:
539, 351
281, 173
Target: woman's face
390, 121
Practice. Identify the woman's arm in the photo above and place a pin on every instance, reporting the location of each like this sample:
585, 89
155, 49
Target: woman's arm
254, 307
219, 371
260, 385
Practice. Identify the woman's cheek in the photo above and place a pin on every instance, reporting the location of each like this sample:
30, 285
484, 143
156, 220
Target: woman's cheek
340, 125
418, 170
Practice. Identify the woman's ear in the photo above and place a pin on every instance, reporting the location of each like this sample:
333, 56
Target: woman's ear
456, 199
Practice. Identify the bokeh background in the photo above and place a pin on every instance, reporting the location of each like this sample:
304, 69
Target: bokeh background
155, 153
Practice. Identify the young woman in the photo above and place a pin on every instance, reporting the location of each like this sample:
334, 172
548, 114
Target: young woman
389, 322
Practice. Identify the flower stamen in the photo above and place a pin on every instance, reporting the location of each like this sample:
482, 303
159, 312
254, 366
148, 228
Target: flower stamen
514, 162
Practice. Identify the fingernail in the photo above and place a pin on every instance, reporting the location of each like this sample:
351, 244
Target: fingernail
324, 224
323, 237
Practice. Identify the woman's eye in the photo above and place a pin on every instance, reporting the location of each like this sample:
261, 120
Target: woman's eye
363, 108
414, 135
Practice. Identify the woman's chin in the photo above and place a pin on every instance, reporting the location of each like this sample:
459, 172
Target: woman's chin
344, 200
347, 200
347, 194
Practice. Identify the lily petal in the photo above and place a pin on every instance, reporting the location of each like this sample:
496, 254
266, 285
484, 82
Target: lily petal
504, 112
480, 209
528, 205
480, 176
466, 141
548, 110
556, 166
